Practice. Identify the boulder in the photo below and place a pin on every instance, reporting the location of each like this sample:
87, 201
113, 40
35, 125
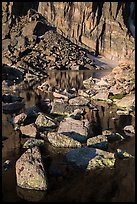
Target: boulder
88, 158
126, 102
99, 142
79, 101
60, 140
44, 121
76, 129
29, 130
61, 107
101, 95
30, 173
32, 142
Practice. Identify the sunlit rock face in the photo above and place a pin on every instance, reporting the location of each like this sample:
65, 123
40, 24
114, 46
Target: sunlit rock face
107, 28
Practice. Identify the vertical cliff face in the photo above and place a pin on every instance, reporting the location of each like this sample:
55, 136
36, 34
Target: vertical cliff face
107, 28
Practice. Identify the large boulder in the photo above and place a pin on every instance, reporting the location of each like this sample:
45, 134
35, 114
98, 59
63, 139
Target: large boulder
127, 102
76, 129
60, 140
88, 158
30, 171
44, 121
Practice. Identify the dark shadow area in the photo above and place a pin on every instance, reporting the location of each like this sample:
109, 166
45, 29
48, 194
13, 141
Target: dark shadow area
21, 8
11, 74
97, 8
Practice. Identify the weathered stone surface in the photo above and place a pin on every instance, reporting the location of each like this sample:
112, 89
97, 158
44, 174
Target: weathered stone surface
19, 118
88, 158
30, 173
29, 130
99, 142
60, 140
59, 95
33, 142
88, 83
102, 95
121, 154
60, 107
81, 20
79, 101
75, 129
126, 102
44, 121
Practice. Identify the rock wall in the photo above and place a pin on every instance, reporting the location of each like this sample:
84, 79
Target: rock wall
101, 26
107, 28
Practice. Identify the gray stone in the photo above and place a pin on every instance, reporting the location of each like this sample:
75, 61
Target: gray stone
60, 107
75, 129
44, 121
32, 142
30, 173
101, 95
88, 158
99, 142
126, 102
60, 140
79, 101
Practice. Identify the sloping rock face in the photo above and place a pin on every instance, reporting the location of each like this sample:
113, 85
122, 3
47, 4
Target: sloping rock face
106, 28
101, 26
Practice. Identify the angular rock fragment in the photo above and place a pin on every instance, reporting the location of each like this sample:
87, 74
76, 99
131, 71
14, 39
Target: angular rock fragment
30, 173
60, 140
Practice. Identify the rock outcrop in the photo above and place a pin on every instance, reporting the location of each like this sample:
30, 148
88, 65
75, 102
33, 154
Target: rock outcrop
107, 28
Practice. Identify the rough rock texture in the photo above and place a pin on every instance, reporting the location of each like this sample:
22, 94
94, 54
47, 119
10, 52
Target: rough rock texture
90, 158
101, 26
76, 129
20, 118
105, 27
60, 140
29, 130
30, 172
99, 142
